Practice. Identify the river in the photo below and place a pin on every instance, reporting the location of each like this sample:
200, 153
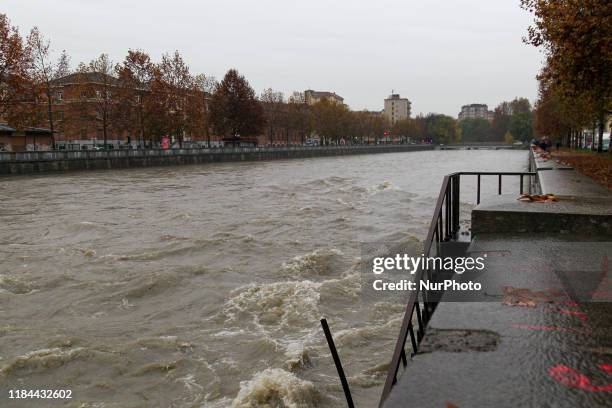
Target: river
203, 286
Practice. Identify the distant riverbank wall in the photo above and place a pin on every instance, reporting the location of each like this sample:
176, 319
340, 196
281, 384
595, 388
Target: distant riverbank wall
12, 163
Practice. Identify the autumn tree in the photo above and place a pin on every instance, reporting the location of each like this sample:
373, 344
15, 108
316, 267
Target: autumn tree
407, 129
175, 90
207, 85
330, 121
15, 62
442, 129
234, 108
44, 71
98, 87
273, 103
560, 116
514, 116
299, 115
135, 100
577, 42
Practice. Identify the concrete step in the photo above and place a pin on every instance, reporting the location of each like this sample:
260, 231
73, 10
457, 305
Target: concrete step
570, 215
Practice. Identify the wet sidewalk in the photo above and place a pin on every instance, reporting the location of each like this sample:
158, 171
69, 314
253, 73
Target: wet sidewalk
532, 339
539, 333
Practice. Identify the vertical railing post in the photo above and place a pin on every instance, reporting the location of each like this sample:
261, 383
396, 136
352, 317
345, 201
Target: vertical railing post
499, 185
332, 347
521, 184
478, 189
447, 213
457, 201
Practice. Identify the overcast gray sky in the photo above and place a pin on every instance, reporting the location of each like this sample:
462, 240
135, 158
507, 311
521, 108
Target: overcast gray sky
439, 54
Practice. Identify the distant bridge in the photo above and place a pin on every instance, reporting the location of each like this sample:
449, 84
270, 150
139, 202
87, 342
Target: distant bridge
483, 146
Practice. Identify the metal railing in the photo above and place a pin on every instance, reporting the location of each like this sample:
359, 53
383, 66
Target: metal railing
443, 228
42, 155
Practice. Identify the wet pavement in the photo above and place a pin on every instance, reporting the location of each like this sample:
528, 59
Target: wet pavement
539, 332
531, 338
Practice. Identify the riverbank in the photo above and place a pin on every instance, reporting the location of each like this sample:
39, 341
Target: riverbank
55, 161
539, 332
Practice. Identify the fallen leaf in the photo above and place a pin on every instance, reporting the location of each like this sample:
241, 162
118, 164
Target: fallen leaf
523, 297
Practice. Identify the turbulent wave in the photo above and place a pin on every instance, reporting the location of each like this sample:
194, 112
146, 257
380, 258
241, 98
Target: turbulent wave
297, 356
276, 388
321, 262
44, 359
279, 304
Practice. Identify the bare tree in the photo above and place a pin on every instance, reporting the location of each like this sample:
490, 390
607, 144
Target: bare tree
207, 85
273, 108
97, 86
135, 74
175, 87
44, 71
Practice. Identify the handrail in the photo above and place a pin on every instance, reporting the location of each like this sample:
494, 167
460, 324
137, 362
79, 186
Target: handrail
45, 155
444, 227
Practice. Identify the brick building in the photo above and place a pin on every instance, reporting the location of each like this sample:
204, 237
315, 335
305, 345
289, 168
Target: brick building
84, 104
76, 117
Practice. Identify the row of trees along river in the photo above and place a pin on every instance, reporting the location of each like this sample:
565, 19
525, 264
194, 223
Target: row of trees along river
576, 79
147, 100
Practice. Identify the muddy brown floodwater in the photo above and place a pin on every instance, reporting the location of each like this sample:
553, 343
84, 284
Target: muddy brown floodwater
203, 286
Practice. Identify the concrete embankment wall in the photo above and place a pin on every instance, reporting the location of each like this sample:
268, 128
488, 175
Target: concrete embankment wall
53, 161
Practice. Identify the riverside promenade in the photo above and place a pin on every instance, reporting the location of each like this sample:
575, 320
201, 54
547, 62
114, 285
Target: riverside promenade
62, 160
539, 334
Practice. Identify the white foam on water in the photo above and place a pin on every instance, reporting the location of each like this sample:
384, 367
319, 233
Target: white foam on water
298, 356
316, 263
282, 305
276, 388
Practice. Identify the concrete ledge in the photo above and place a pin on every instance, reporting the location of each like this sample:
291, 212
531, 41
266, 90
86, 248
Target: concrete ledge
570, 215
44, 162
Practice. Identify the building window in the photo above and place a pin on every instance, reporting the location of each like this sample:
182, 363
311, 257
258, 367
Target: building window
59, 95
83, 94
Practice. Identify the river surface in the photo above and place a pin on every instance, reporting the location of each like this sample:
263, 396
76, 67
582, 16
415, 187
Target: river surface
203, 286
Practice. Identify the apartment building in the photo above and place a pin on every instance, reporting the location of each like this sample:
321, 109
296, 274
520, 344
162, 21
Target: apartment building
396, 108
475, 111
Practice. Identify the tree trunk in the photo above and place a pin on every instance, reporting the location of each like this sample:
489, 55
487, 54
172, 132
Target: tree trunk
50, 115
142, 130
600, 128
104, 130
